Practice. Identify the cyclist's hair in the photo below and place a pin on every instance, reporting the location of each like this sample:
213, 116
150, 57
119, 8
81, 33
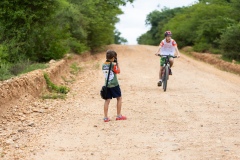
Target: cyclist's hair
110, 54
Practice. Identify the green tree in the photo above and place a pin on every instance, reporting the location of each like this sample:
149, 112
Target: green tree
100, 17
118, 39
236, 8
44, 30
215, 1
200, 25
19, 20
230, 42
157, 20
75, 24
206, 26
146, 38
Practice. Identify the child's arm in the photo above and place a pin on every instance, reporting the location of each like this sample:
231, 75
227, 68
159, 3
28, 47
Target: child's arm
116, 69
159, 48
178, 53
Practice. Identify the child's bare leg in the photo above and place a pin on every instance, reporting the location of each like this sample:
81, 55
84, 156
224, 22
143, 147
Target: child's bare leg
106, 104
119, 106
160, 72
171, 62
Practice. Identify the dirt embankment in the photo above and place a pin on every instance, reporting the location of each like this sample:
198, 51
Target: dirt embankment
214, 60
29, 86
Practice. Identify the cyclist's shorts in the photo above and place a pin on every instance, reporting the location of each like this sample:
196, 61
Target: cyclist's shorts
114, 92
162, 60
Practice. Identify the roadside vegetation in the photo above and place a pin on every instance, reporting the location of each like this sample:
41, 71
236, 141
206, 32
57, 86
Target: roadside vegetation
38, 31
8, 70
34, 32
55, 91
208, 26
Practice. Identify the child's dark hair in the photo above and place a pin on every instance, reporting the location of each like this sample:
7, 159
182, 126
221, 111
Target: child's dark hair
110, 54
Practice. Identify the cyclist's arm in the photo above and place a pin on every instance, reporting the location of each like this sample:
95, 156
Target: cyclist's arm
178, 53
159, 49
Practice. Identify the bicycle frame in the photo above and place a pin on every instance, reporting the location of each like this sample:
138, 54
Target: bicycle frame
166, 64
165, 71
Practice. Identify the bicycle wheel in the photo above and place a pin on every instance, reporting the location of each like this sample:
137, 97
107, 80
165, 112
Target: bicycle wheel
166, 73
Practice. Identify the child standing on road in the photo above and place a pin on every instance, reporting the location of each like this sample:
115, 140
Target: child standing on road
168, 46
113, 88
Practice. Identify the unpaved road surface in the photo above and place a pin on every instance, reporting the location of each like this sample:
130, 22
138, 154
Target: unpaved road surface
197, 118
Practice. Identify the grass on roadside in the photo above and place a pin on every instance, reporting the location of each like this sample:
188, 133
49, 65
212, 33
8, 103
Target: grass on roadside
8, 70
68, 80
5, 72
75, 68
33, 67
230, 60
53, 87
55, 91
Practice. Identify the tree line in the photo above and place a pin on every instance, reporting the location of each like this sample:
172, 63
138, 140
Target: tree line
41, 30
208, 25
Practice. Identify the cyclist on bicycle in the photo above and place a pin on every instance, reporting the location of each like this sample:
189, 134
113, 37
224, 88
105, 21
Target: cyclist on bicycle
167, 46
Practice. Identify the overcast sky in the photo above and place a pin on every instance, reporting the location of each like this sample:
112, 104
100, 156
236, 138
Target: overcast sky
132, 22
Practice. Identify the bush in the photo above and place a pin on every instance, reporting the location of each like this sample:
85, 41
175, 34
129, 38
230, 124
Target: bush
4, 64
76, 46
3, 54
230, 42
25, 66
33, 66
8, 70
17, 68
4, 71
215, 51
201, 47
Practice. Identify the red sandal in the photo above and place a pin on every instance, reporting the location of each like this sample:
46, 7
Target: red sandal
121, 118
106, 119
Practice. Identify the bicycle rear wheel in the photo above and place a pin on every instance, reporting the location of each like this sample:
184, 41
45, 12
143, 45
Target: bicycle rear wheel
166, 74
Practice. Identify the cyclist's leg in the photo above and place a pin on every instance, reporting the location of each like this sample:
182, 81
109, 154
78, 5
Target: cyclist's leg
171, 61
160, 72
162, 61
160, 77
171, 64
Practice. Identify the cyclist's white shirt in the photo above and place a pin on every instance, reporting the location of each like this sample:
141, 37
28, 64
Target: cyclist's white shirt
168, 48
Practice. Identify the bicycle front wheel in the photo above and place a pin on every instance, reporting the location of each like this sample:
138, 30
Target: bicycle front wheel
166, 74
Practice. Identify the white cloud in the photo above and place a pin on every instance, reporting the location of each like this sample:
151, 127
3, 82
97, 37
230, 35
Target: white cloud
132, 22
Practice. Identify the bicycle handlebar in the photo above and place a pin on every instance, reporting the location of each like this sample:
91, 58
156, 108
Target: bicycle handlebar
167, 56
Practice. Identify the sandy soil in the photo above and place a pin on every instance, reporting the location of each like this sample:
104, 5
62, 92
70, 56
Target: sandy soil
196, 119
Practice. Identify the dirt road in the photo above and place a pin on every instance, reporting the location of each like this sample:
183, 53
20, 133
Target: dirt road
198, 118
